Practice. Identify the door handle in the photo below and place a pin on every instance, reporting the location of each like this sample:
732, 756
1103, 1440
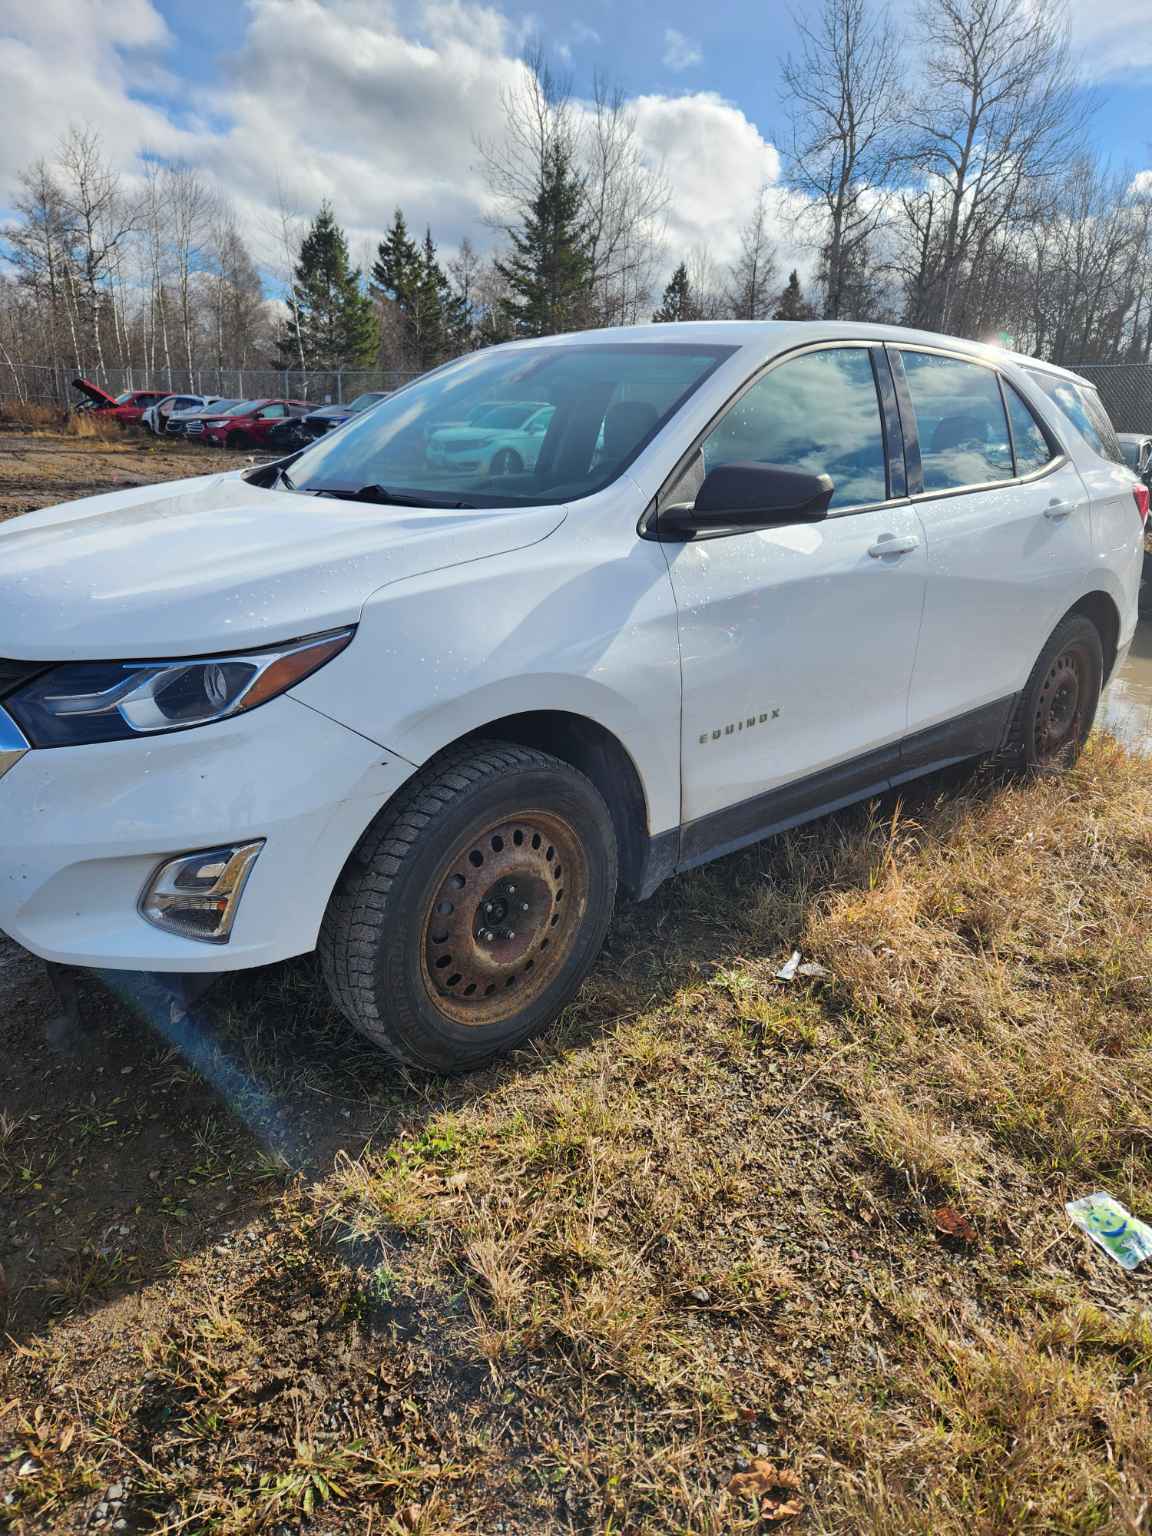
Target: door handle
893, 544
1057, 511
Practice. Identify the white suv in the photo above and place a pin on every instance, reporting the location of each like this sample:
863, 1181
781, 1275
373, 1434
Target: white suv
429, 723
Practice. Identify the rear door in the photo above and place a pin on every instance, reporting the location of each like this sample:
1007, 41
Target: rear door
1008, 533
1109, 480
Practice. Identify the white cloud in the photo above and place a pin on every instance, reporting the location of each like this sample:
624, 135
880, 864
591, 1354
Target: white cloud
337, 99
679, 51
716, 160
583, 33
1111, 37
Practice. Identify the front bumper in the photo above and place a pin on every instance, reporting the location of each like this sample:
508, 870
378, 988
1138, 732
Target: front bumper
82, 830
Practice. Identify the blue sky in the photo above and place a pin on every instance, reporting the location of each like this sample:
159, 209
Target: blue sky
374, 103
741, 43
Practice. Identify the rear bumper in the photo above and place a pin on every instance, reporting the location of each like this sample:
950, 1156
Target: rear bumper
82, 830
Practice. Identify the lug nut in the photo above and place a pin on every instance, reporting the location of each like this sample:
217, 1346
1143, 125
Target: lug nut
489, 935
523, 906
511, 890
509, 934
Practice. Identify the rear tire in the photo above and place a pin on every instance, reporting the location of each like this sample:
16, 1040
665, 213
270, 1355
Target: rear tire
473, 907
506, 462
1057, 708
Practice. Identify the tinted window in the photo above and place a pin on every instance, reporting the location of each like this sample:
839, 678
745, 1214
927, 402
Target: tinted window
608, 400
1032, 450
960, 420
1085, 410
819, 413
270, 411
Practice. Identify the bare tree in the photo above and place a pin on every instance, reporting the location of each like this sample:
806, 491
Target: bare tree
844, 105
623, 198
540, 121
99, 223
626, 202
752, 279
234, 304
992, 128
191, 209
706, 285
38, 250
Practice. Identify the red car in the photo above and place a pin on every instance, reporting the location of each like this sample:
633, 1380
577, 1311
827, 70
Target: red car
248, 424
126, 409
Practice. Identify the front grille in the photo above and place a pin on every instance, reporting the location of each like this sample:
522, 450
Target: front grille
14, 673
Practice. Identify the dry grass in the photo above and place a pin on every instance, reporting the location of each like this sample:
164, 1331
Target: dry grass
694, 1228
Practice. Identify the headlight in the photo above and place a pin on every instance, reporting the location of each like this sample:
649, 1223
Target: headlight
80, 702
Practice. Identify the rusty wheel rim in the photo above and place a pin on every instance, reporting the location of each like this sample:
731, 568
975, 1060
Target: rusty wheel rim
503, 919
1060, 708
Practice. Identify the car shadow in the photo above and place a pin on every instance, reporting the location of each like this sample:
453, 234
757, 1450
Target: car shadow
144, 1133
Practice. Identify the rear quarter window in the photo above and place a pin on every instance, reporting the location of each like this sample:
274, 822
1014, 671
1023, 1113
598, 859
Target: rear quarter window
1085, 410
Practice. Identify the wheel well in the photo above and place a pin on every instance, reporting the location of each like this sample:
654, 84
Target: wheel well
598, 754
1102, 611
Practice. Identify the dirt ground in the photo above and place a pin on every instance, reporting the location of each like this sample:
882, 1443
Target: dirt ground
40, 469
719, 1254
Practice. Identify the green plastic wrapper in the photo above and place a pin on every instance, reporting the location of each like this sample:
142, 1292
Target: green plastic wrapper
1112, 1228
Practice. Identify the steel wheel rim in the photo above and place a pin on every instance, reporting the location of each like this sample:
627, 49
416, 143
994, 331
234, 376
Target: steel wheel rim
1059, 718
505, 911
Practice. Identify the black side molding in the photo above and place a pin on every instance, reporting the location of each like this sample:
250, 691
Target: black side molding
973, 734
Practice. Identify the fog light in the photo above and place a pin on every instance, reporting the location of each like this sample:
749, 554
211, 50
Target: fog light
197, 894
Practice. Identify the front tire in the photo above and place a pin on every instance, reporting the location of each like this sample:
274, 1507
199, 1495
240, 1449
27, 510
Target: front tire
507, 462
1057, 708
473, 908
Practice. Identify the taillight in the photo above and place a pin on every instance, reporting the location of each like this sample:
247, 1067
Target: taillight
1140, 492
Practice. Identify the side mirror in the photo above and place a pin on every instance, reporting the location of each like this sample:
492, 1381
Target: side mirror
752, 495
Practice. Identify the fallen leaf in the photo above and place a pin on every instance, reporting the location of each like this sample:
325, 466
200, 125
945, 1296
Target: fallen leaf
787, 1511
759, 1478
950, 1223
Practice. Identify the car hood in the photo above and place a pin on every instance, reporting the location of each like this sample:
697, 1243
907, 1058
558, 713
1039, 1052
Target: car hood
459, 434
215, 564
93, 391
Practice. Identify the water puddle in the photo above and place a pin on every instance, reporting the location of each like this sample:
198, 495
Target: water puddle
1127, 707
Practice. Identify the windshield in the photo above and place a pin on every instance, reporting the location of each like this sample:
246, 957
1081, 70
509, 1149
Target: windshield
544, 424
242, 408
362, 402
125, 397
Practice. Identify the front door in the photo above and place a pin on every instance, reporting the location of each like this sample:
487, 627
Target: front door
798, 642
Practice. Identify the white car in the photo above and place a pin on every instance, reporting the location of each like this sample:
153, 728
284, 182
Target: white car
503, 438
155, 418
431, 724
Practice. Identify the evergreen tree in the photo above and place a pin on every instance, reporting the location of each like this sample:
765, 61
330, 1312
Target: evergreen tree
429, 315
395, 272
549, 272
792, 305
331, 324
678, 302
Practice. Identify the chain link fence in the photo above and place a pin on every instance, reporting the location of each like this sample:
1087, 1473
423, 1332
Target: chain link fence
51, 383
1126, 390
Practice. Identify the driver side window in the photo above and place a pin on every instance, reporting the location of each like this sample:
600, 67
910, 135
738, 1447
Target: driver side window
819, 413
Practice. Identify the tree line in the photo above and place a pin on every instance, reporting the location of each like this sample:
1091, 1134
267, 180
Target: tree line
938, 174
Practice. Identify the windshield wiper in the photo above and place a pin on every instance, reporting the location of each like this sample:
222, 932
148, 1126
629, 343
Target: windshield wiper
386, 498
